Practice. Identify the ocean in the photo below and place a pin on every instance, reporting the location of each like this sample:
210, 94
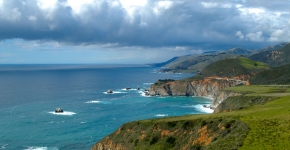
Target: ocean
29, 94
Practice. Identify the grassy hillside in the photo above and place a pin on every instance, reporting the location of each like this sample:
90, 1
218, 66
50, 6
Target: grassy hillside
195, 63
278, 75
261, 126
274, 58
165, 135
232, 67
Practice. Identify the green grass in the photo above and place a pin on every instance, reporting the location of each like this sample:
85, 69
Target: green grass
260, 90
269, 125
251, 64
277, 75
269, 122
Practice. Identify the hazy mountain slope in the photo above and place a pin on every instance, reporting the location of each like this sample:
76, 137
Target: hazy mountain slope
195, 63
275, 57
163, 63
233, 67
273, 47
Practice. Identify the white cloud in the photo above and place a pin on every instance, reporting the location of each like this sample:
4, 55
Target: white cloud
32, 18
131, 7
79, 5
240, 35
133, 3
209, 4
164, 4
256, 37
216, 5
46, 4
15, 14
47, 7
280, 35
161, 6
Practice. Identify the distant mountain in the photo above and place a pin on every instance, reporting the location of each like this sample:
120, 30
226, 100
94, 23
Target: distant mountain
233, 67
240, 50
163, 63
274, 57
277, 75
195, 63
273, 47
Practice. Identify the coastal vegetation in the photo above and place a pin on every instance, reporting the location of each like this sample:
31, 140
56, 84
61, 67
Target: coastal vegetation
246, 116
235, 67
261, 126
275, 76
274, 58
197, 62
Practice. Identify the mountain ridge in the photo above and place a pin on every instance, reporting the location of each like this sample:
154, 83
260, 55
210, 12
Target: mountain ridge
195, 63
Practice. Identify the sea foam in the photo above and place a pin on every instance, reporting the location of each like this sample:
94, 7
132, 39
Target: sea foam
3, 146
114, 92
143, 94
40, 148
97, 102
203, 109
148, 83
161, 115
65, 113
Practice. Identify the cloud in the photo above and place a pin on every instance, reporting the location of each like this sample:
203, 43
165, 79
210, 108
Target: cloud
240, 35
203, 24
256, 37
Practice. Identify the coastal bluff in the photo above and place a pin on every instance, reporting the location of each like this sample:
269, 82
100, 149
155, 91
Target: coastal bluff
208, 87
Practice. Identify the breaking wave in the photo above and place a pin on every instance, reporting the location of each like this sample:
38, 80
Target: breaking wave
161, 115
65, 113
40, 148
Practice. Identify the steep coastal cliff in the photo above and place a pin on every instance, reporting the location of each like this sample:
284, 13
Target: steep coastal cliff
205, 87
213, 133
209, 87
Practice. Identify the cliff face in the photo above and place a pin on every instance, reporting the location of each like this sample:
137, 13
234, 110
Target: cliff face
108, 144
210, 133
210, 87
220, 96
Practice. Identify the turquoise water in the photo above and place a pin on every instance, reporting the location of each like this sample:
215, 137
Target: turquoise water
29, 95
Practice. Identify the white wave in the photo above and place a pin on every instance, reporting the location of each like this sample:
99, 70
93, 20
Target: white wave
65, 113
161, 115
207, 97
93, 102
203, 109
114, 92
143, 94
3, 146
83, 122
131, 89
148, 83
40, 148
97, 102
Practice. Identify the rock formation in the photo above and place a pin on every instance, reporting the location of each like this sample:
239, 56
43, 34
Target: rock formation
209, 87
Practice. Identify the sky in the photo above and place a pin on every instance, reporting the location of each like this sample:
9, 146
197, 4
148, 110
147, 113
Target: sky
135, 31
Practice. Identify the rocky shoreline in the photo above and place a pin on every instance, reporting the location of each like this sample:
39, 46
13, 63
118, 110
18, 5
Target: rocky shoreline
207, 87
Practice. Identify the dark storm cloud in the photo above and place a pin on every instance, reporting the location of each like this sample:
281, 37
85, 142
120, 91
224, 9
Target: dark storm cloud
208, 24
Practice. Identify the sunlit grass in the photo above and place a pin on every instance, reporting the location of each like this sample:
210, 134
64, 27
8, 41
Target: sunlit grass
269, 123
